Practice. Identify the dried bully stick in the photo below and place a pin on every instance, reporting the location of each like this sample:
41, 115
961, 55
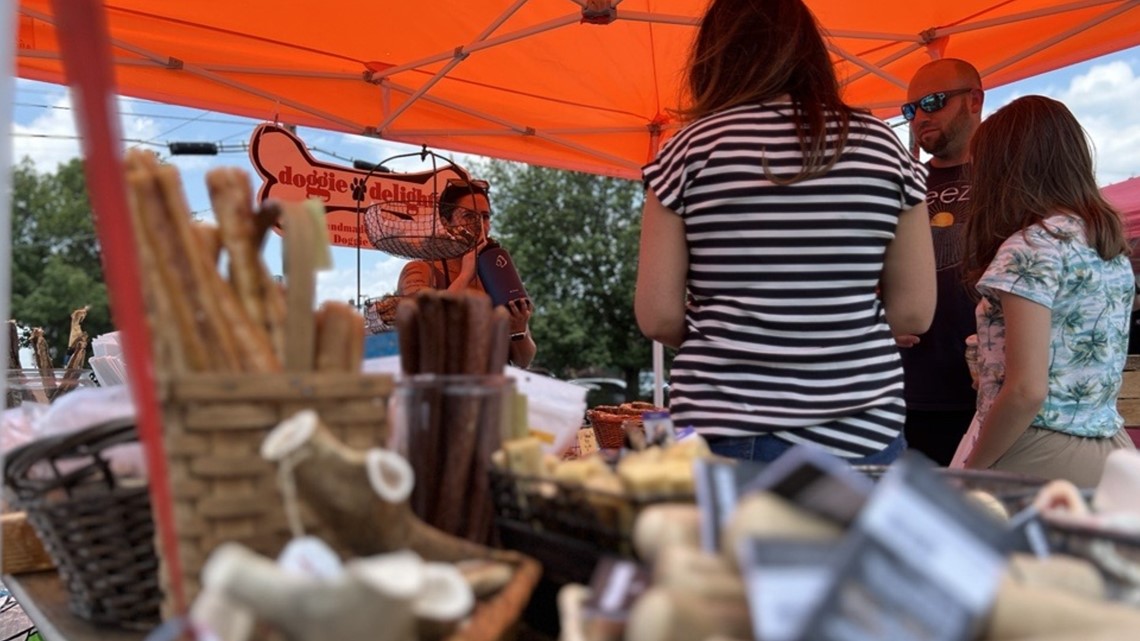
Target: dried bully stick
77, 318
171, 319
209, 240
479, 330
13, 346
458, 420
500, 341
454, 338
40, 352
235, 221
202, 277
275, 306
425, 442
408, 332
74, 368
336, 328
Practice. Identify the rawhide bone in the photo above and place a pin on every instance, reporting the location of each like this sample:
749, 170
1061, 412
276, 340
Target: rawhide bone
361, 495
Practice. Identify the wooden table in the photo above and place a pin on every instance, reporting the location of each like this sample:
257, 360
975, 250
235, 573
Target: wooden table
45, 601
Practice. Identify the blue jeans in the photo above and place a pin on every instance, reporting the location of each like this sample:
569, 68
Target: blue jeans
767, 448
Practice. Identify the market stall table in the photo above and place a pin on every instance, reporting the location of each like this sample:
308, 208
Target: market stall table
44, 600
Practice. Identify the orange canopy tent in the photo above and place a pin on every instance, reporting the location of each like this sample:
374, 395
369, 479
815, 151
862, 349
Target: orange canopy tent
539, 81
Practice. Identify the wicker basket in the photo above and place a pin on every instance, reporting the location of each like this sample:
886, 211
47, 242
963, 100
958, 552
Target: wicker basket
96, 527
611, 421
221, 487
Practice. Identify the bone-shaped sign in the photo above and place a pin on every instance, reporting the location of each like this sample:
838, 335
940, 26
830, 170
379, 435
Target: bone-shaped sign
290, 173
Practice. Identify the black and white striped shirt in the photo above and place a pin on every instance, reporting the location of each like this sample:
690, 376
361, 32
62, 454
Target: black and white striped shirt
785, 331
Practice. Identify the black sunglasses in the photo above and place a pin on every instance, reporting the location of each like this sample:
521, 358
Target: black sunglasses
930, 103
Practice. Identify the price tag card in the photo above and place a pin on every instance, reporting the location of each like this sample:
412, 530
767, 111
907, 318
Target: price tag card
920, 564
614, 586
718, 485
1029, 533
817, 482
785, 581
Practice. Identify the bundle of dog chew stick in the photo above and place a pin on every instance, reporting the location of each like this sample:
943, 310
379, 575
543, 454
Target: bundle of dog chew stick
244, 320
454, 433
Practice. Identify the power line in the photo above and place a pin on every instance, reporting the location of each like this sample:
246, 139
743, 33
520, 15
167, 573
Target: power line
223, 148
219, 121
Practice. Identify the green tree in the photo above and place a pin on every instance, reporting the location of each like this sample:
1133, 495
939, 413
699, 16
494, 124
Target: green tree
56, 264
574, 239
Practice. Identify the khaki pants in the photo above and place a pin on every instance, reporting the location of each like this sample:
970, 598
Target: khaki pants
1055, 455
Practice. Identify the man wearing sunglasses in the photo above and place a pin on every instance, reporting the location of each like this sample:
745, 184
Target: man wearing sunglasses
944, 108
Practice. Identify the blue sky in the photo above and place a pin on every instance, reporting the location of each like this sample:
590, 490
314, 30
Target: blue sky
1103, 93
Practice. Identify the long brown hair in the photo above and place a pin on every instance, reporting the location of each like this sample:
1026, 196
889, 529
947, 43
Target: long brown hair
752, 51
1031, 160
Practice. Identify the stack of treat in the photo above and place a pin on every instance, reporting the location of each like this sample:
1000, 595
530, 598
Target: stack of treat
453, 334
201, 321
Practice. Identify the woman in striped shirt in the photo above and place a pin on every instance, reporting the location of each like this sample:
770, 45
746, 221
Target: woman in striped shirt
784, 242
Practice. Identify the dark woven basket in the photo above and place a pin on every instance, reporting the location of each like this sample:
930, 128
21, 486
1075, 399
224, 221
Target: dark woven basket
1014, 491
96, 527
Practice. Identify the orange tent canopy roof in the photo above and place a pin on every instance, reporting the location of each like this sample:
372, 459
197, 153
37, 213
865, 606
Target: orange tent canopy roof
527, 80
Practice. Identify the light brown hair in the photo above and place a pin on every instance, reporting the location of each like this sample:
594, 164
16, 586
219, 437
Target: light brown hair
752, 51
1032, 160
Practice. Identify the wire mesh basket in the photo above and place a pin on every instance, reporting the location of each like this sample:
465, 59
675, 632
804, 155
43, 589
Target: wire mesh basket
417, 226
1114, 552
416, 230
380, 313
1014, 491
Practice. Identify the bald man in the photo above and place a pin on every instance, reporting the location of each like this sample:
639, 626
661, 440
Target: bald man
944, 108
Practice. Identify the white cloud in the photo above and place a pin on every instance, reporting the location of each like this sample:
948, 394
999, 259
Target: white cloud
378, 275
1104, 100
49, 139
52, 137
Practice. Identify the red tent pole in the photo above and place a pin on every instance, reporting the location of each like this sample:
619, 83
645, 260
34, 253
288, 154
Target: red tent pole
86, 49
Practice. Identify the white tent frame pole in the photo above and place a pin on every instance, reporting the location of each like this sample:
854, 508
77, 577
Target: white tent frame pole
1045, 44
8, 28
906, 51
1021, 17
690, 21
869, 67
658, 349
526, 131
424, 88
561, 131
460, 55
249, 71
478, 46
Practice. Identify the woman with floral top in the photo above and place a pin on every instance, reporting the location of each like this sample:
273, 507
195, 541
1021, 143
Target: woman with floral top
1049, 258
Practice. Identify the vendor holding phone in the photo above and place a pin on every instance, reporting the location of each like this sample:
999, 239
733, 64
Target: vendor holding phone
464, 205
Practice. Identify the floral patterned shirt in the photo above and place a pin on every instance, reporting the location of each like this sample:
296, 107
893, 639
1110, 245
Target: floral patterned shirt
1090, 300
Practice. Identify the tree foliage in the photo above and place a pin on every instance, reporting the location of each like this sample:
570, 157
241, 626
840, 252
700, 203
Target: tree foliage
574, 239
56, 264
